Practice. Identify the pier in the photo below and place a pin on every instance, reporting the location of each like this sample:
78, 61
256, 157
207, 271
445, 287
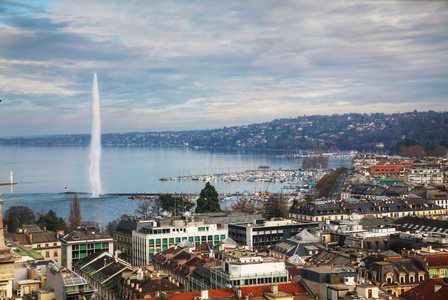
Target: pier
11, 181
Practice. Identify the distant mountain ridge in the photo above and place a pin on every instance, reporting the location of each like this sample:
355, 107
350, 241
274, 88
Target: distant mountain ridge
361, 132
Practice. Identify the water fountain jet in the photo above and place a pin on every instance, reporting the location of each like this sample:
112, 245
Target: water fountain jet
95, 142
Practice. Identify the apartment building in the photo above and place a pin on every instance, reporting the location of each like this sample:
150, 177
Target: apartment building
161, 234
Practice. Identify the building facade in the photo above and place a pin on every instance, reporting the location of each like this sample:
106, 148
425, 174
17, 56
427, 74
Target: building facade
421, 176
260, 235
7, 259
103, 271
123, 236
162, 234
83, 242
67, 285
247, 271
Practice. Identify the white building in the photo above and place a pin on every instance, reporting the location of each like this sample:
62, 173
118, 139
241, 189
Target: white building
67, 285
420, 176
162, 234
251, 270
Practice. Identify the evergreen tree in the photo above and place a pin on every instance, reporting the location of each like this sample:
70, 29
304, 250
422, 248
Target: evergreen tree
208, 200
276, 207
175, 205
50, 221
75, 217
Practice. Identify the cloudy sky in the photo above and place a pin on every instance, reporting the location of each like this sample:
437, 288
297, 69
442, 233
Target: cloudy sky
175, 65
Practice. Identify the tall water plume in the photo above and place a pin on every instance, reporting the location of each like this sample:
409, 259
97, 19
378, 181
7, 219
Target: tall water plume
95, 142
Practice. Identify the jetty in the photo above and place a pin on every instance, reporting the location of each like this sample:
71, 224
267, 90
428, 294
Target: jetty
11, 181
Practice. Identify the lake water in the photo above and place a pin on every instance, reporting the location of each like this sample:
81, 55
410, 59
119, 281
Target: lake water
42, 173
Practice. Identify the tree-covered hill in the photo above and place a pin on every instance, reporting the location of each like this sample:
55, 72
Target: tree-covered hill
362, 132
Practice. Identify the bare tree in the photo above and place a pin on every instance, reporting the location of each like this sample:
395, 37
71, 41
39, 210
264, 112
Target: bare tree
110, 227
75, 217
244, 205
148, 207
18, 215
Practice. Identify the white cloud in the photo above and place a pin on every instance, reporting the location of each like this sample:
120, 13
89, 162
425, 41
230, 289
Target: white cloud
162, 64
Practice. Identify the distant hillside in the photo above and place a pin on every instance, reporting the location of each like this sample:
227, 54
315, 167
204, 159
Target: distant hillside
362, 132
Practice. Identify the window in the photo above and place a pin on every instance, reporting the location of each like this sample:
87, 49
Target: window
47, 254
46, 245
177, 240
55, 254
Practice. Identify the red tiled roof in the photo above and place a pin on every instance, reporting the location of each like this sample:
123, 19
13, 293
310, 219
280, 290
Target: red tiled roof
256, 291
437, 260
426, 290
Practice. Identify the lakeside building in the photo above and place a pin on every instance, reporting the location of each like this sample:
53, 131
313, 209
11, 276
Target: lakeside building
161, 234
320, 211
83, 242
103, 271
262, 234
66, 284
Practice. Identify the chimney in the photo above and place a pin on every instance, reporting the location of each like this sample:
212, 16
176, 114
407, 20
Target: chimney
31, 238
204, 294
274, 288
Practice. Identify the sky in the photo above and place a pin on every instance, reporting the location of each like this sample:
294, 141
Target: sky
181, 65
